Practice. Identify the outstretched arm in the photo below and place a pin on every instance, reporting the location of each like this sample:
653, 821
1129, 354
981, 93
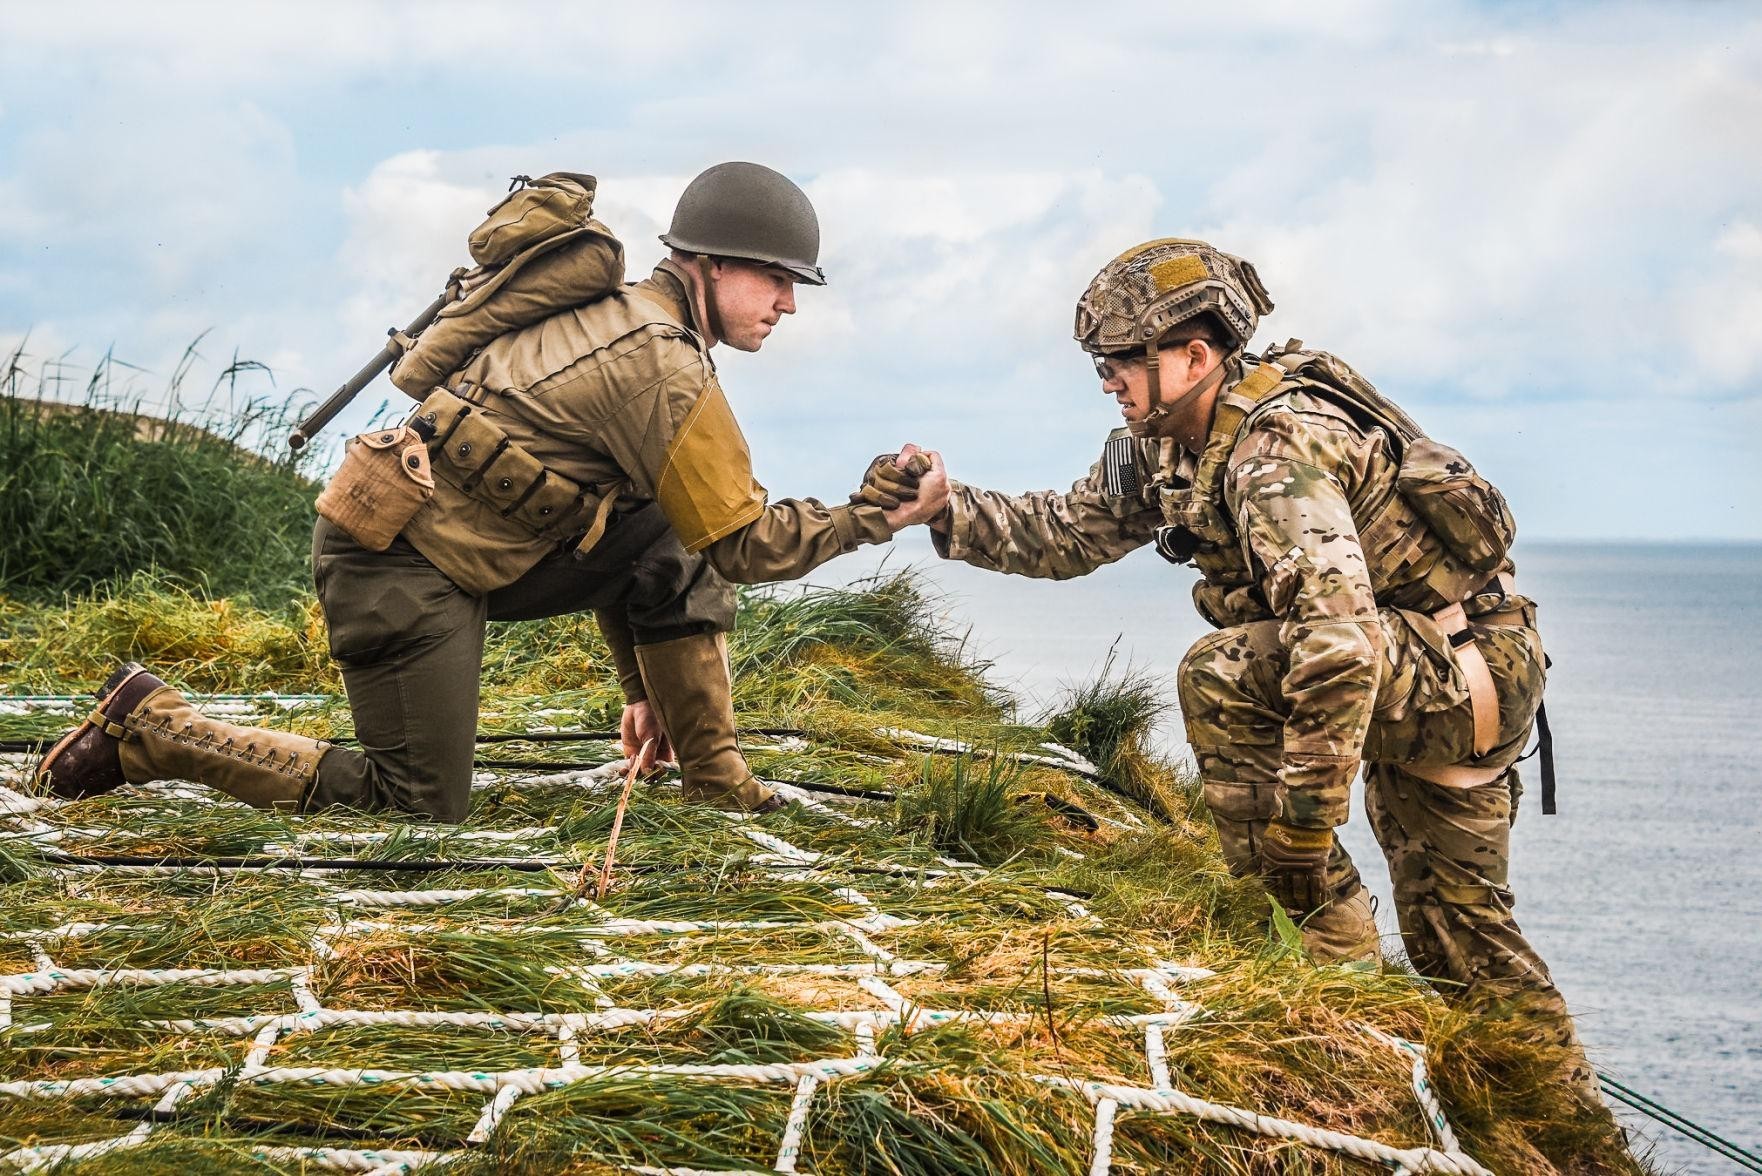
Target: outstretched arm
1045, 534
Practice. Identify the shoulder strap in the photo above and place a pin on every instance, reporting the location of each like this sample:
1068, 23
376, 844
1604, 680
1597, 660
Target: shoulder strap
1336, 381
666, 316
1234, 406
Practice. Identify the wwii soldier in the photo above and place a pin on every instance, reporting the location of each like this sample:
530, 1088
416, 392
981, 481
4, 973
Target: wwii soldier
1357, 576
587, 462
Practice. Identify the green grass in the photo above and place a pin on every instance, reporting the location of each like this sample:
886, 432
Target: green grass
972, 809
86, 501
1109, 720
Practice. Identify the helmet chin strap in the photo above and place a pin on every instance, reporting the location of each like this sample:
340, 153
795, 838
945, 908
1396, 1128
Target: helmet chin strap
707, 291
1157, 419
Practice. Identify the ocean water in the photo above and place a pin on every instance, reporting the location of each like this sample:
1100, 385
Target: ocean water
1645, 893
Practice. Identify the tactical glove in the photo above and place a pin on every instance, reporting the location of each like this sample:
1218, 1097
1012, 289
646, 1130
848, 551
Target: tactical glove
1294, 865
1176, 544
887, 484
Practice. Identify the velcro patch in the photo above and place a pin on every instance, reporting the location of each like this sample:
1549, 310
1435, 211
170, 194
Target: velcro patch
1178, 271
1119, 465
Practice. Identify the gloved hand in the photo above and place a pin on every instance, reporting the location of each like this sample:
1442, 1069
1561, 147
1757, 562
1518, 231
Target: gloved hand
1176, 544
1294, 865
887, 483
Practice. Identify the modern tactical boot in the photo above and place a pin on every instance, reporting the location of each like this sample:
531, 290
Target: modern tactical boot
1344, 931
143, 730
688, 687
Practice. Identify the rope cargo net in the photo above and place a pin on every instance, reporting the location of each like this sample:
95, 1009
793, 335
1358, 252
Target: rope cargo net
605, 940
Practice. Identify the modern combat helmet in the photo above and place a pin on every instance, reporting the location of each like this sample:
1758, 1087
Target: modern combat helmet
1141, 298
751, 212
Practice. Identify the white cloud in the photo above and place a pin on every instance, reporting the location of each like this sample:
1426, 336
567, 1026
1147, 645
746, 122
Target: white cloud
1718, 314
1478, 207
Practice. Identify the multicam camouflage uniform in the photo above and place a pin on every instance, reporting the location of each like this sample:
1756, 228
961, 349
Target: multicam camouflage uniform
1322, 582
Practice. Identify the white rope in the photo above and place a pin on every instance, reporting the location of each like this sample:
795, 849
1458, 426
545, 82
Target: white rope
503, 1088
1169, 1101
1068, 762
403, 898
1101, 1139
492, 1114
790, 1150
1157, 1054
1436, 1123
343, 1159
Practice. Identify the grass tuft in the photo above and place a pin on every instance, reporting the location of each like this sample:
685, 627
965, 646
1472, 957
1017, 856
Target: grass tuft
1110, 721
970, 808
92, 490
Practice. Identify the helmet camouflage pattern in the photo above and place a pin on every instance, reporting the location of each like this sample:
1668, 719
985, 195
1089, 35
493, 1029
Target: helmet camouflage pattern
1140, 297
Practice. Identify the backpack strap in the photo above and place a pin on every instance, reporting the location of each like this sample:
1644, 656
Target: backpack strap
1235, 405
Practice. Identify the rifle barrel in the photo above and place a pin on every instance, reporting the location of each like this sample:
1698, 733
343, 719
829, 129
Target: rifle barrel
339, 400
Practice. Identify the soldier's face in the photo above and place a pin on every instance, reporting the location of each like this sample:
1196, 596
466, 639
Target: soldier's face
1126, 378
751, 299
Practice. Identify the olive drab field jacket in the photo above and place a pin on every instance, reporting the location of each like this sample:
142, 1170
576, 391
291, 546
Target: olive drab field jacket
612, 404
1296, 507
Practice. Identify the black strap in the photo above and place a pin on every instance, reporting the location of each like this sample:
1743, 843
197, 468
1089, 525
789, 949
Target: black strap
476, 475
1545, 745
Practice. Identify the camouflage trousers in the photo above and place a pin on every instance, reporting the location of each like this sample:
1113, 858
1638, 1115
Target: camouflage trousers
1448, 848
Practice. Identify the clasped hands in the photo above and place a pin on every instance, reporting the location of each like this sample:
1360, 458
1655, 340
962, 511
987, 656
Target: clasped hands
910, 486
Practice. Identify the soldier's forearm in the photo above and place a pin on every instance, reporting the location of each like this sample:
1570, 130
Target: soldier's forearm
1330, 686
1046, 535
793, 537
614, 626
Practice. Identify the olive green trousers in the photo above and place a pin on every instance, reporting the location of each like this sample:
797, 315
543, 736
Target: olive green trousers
410, 645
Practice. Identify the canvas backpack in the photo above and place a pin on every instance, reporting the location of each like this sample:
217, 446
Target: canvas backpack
538, 252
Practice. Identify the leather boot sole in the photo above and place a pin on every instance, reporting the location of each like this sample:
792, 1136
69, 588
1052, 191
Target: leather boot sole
85, 762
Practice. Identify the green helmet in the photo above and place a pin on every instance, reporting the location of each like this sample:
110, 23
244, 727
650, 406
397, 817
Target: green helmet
1141, 297
748, 211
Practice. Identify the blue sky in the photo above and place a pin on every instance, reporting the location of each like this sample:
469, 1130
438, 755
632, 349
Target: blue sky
1540, 227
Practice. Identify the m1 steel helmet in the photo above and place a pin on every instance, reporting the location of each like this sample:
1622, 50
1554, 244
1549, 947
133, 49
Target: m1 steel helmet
748, 211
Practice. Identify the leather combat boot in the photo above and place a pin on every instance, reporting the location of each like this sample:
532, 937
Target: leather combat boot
1344, 931
689, 689
143, 730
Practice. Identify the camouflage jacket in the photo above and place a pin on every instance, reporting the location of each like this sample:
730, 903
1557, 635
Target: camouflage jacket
1279, 541
620, 397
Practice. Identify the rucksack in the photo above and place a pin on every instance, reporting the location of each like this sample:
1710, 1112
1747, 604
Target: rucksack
1462, 508
539, 252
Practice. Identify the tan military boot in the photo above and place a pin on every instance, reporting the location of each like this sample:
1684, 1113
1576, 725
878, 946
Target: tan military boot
688, 687
1344, 931
143, 730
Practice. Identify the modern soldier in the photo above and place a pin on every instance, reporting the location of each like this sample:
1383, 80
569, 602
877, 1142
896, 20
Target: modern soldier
1357, 576
587, 462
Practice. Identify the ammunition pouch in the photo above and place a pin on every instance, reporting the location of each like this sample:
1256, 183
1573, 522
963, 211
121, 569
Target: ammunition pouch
383, 481
471, 453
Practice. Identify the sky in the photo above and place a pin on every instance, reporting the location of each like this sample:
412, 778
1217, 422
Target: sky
1537, 226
